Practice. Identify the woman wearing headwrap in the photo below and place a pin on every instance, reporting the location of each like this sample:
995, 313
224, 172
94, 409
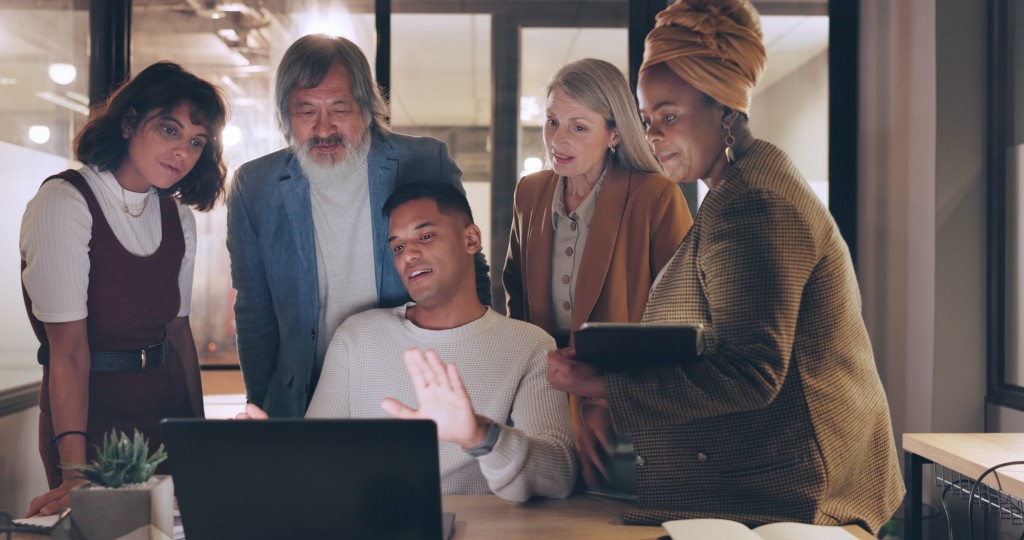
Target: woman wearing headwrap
590, 234
784, 417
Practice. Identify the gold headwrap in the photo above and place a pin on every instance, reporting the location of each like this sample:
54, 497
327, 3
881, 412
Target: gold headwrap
715, 45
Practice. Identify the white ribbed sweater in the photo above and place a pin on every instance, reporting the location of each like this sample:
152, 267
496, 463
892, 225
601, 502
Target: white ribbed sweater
502, 363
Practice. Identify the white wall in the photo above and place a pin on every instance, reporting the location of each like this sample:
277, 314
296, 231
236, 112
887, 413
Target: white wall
896, 230
479, 196
960, 217
793, 114
923, 208
21, 470
24, 170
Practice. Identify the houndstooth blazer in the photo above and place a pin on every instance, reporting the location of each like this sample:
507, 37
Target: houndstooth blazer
784, 418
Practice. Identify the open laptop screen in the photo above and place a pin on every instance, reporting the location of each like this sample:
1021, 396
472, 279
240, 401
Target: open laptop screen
296, 478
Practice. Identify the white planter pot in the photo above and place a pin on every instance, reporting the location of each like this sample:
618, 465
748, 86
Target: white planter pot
135, 512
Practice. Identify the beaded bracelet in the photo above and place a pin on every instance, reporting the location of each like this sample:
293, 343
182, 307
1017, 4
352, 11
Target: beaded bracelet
58, 437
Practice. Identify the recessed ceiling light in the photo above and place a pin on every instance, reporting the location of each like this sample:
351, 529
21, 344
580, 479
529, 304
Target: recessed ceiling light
62, 73
39, 134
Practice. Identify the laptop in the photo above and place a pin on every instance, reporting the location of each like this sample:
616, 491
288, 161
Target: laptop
296, 478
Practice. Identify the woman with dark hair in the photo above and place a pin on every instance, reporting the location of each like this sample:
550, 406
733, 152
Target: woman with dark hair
107, 260
783, 417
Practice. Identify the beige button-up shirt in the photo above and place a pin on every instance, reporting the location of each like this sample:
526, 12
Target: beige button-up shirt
570, 229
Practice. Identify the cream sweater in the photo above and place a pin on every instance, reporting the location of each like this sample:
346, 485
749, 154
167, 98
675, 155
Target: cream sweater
502, 363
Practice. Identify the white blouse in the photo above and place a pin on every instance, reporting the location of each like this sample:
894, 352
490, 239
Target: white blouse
55, 234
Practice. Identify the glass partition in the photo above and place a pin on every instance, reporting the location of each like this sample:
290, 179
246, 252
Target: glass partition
441, 88
238, 47
44, 70
1008, 136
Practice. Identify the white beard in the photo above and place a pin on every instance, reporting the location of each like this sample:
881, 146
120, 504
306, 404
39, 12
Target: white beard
352, 164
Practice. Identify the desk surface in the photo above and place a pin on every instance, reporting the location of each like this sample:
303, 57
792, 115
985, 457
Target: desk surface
486, 517
971, 454
581, 517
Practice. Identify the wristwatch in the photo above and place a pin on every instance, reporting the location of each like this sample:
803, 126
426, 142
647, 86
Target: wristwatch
487, 445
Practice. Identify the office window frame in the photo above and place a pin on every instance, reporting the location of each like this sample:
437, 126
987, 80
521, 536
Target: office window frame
1000, 119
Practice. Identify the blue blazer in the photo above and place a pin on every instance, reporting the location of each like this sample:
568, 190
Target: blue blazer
273, 261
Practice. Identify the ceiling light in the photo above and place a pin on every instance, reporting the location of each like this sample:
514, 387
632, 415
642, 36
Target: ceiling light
238, 59
39, 134
230, 83
529, 108
62, 73
231, 135
81, 98
63, 102
228, 34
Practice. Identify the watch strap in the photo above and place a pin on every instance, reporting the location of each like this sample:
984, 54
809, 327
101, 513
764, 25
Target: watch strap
485, 447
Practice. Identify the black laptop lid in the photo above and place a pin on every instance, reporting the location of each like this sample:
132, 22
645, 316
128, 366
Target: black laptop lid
305, 478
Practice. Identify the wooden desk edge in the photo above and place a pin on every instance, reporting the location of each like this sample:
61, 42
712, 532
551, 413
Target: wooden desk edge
485, 514
489, 510
949, 451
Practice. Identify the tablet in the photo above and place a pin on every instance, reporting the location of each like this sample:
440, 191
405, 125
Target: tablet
624, 346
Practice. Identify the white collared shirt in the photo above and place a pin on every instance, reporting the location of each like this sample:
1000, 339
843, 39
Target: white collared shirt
55, 234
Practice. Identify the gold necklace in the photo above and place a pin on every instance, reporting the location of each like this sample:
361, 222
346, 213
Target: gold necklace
124, 205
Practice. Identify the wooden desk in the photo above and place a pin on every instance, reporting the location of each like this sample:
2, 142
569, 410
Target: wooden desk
486, 517
969, 454
479, 517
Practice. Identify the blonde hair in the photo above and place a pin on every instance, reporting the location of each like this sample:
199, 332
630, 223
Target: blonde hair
602, 88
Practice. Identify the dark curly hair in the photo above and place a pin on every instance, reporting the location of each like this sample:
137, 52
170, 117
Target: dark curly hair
161, 87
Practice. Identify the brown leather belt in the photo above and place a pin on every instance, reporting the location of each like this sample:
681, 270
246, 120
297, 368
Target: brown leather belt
133, 360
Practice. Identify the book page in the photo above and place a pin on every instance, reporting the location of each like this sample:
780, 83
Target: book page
801, 531
38, 522
708, 529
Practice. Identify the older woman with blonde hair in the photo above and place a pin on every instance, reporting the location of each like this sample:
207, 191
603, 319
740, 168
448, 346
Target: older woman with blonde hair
784, 417
590, 234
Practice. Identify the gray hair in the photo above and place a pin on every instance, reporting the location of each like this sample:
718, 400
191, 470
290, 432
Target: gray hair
306, 63
602, 88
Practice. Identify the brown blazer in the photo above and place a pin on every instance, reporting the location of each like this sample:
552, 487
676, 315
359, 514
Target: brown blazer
784, 418
639, 221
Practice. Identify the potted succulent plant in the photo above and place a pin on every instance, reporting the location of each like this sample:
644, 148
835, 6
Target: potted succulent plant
123, 499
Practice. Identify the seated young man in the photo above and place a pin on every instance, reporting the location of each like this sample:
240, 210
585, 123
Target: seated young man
503, 429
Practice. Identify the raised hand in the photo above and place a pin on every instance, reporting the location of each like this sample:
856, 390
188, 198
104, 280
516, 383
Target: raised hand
442, 398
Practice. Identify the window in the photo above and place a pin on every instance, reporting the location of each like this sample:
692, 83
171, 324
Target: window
236, 46
1006, 199
495, 58
449, 100
43, 99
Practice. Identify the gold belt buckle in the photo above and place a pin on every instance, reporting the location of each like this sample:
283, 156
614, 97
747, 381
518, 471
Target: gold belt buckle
143, 359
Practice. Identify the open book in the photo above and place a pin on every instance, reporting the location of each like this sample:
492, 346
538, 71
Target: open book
723, 529
41, 524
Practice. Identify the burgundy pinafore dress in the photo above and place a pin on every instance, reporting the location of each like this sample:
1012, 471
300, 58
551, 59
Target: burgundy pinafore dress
131, 299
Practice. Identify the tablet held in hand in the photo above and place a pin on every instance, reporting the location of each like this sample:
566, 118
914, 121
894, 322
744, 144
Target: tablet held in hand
625, 346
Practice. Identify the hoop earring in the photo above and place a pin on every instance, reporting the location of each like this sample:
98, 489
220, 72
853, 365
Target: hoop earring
730, 156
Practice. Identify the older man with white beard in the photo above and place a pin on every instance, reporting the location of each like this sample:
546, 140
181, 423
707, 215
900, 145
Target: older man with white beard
306, 235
